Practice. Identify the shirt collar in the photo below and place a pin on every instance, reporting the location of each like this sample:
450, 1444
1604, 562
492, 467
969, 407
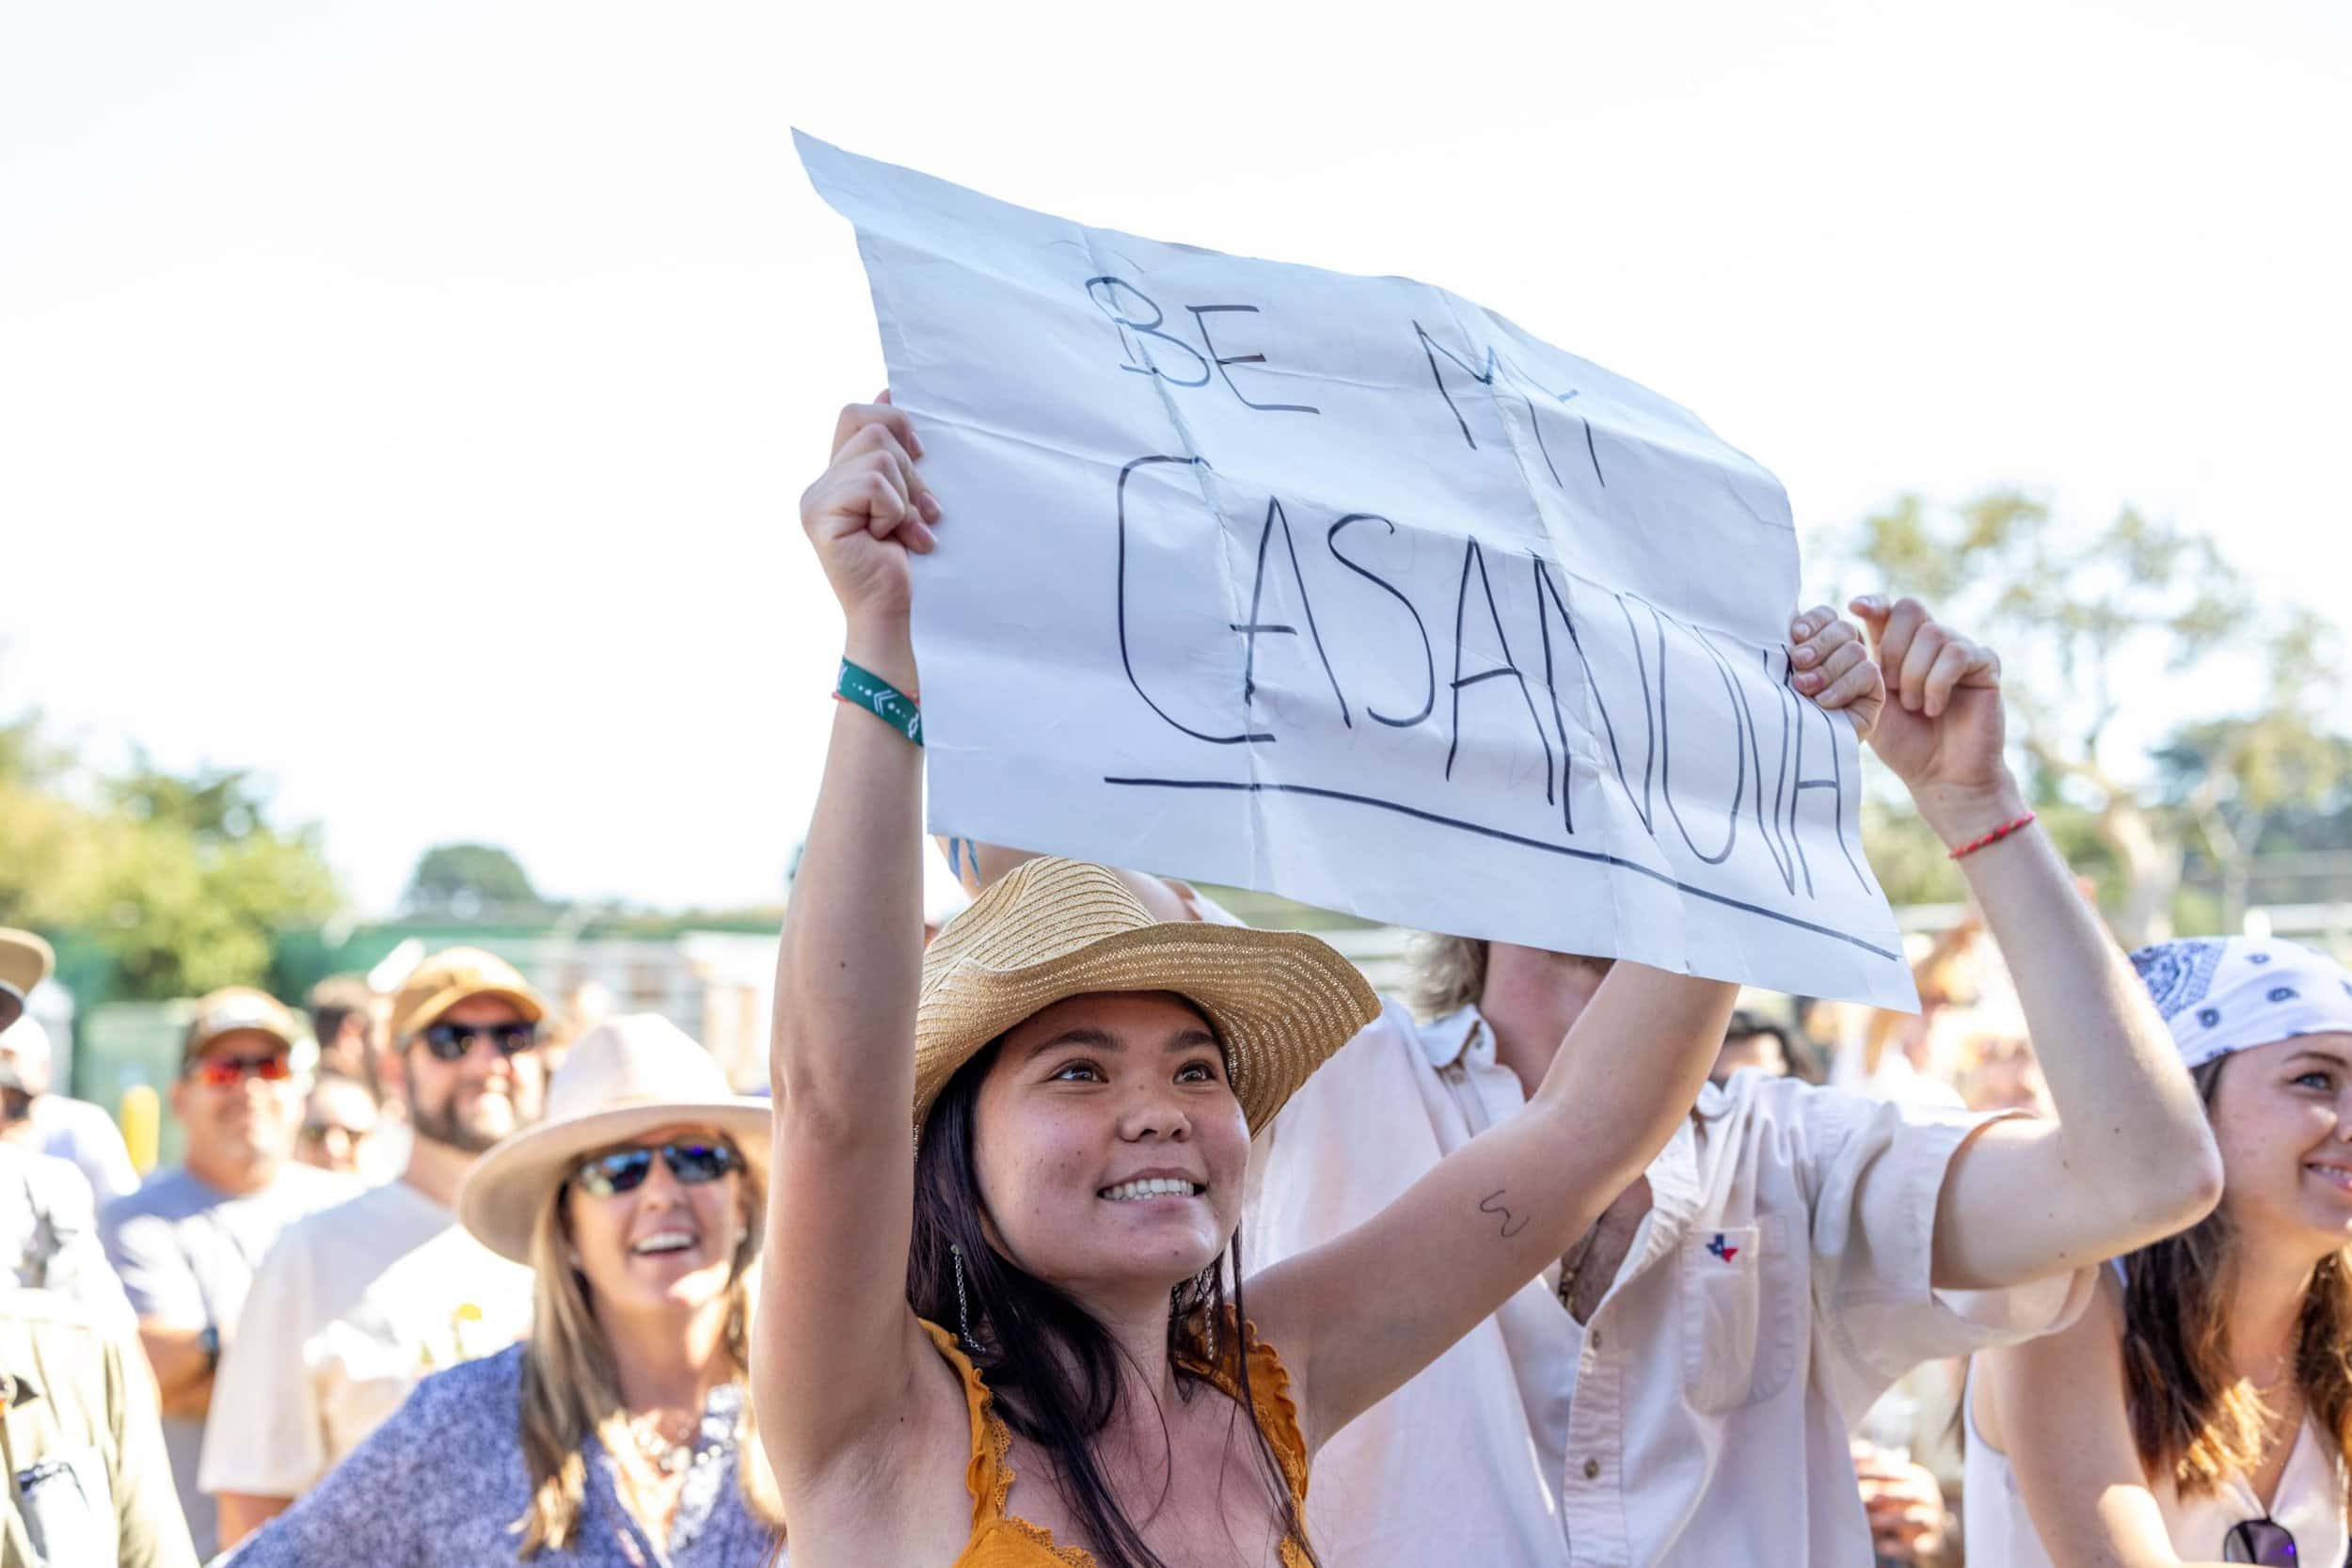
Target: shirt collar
1446, 1038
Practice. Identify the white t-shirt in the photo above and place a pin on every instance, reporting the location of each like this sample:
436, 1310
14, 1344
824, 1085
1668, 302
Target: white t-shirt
351, 1308
188, 1253
1778, 1284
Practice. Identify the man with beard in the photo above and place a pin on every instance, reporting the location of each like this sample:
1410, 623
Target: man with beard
188, 1242
359, 1302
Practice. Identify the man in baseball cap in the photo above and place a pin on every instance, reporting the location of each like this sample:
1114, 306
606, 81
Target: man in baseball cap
358, 1302
188, 1242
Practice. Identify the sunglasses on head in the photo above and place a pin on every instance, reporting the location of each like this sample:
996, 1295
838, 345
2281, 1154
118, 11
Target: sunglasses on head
2263, 1542
694, 1162
451, 1043
227, 1072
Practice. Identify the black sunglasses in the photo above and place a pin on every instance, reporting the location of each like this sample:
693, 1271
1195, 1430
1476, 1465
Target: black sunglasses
624, 1170
2260, 1540
450, 1042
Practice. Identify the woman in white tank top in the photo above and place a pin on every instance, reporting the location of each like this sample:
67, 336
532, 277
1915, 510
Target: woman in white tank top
2200, 1409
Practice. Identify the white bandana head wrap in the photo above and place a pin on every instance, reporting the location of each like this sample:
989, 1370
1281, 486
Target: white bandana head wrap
2219, 994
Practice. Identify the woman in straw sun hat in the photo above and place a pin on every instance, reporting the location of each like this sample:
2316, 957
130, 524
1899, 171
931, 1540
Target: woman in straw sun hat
2203, 1408
618, 1431
1023, 1341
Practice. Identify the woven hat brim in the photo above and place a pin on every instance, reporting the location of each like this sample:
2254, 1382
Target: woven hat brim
500, 1197
1280, 1001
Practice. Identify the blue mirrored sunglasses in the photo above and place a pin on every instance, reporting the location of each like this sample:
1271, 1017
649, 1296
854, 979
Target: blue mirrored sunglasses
694, 1162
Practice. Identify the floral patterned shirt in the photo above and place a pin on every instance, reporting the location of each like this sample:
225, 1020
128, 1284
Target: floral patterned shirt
442, 1484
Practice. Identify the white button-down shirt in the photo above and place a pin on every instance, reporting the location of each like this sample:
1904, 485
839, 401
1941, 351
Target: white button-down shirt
1779, 1283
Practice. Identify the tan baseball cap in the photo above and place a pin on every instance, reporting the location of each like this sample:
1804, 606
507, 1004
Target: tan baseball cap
235, 1007
449, 978
25, 961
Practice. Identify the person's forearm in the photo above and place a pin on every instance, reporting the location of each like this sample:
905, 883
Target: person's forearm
1636, 1059
849, 963
2132, 1124
182, 1368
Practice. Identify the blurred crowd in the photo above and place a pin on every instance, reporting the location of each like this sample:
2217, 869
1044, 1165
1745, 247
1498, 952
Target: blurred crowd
219, 1359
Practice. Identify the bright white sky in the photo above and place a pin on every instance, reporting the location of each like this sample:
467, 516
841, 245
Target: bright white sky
412, 401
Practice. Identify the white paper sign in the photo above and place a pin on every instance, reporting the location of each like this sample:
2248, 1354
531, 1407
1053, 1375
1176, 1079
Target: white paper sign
1347, 589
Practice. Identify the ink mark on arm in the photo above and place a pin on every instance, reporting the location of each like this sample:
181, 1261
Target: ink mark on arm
1511, 1224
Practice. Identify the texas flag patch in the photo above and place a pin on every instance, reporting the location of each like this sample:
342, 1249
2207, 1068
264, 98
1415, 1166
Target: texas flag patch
1720, 1248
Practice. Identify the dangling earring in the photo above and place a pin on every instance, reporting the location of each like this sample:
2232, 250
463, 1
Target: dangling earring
1207, 1292
963, 1305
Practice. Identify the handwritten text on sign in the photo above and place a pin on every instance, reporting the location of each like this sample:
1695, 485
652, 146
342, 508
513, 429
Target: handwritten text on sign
1348, 589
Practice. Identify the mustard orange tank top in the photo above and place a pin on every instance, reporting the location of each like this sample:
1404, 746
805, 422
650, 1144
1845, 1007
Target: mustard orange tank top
1000, 1540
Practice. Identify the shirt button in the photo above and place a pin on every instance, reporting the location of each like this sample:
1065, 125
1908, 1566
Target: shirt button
1597, 1339
1592, 1469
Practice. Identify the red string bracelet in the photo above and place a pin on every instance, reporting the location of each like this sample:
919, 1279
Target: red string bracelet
1994, 836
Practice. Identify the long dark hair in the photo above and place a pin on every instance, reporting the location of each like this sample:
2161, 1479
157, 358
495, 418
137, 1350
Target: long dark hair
1052, 1366
2192, 1417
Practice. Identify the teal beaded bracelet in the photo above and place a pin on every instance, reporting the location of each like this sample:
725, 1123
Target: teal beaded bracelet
861, 688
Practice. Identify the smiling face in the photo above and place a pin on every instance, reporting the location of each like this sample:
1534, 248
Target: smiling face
665, 1244
247, 1124
486, 1094
1108, 1145
2282, 1116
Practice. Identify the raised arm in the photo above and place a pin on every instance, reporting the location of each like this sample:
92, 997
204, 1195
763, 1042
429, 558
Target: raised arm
835, 1339
2129, 1158
2055, 1407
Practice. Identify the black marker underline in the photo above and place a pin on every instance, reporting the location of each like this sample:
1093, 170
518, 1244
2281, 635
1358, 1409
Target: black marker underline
1483, 830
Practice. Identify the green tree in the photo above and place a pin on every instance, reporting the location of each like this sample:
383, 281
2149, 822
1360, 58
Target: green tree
2090, 623
2231, 779
181, 881
469, 881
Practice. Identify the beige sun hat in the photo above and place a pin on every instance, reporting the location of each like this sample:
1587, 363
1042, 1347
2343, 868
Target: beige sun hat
1279, 1002
25, 961
624, 1078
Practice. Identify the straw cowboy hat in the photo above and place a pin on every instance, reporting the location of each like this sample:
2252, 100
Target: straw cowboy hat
1280, 1001
624, 1078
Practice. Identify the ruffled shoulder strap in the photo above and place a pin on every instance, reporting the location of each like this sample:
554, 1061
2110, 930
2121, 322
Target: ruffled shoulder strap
987, 1477
1270, 1400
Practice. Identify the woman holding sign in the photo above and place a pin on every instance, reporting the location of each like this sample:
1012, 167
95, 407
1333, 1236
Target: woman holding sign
1023, 1341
